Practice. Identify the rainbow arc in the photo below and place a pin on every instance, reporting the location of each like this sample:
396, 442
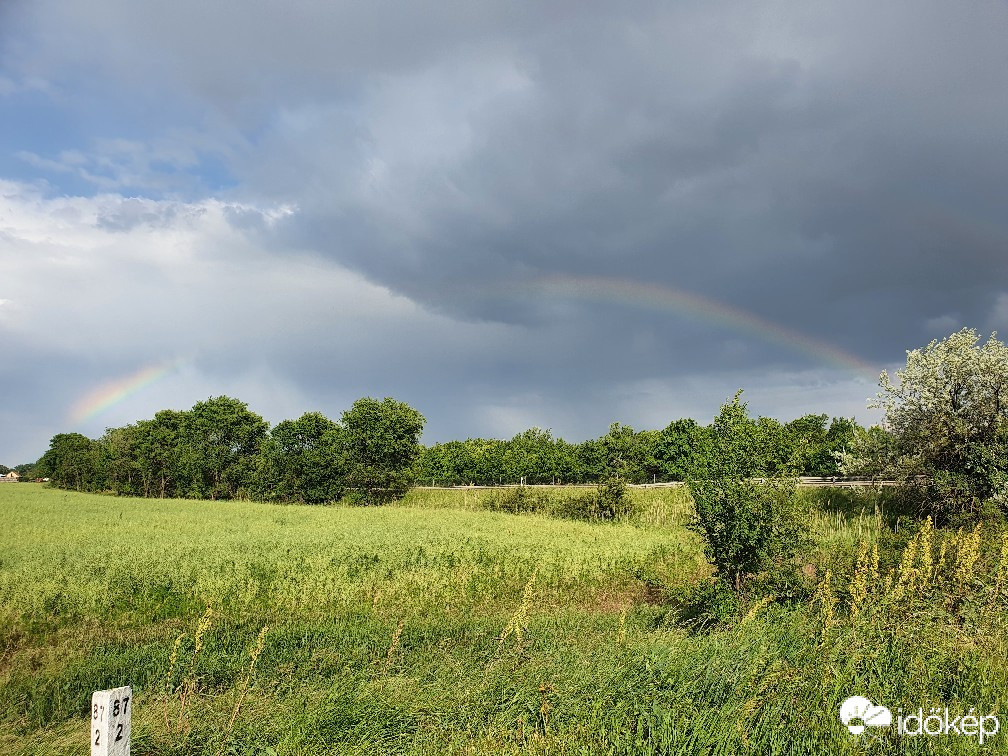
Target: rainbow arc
664, 298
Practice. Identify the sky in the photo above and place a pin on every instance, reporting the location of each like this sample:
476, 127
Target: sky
510, 214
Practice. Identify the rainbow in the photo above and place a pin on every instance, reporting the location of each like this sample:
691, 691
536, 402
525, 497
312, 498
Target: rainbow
667, 298
112, 393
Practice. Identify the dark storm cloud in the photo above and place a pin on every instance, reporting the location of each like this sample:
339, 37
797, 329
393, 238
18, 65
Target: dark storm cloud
839, 182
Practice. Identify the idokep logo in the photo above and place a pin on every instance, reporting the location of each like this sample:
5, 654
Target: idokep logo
940, 722
858, 713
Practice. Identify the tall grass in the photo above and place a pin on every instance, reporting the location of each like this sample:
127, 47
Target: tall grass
658, 507
436, 627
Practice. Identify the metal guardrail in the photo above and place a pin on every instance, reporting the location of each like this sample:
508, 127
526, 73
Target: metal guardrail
804, 482
838, 482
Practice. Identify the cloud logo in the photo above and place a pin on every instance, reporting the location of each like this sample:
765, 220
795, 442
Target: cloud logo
857, 712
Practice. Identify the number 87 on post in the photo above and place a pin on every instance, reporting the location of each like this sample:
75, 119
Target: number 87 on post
111, 712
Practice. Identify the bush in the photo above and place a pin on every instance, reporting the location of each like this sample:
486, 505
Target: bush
517, 500
612, 500
947, 413
748, 524
609, 501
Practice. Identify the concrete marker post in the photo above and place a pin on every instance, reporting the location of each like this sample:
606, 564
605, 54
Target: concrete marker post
111, 717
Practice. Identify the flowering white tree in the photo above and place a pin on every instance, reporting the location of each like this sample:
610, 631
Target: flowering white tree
947, 412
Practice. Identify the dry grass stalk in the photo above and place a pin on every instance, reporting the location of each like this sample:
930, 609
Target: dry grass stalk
189, 684
393, 646
858, 588
169, 689
256, 651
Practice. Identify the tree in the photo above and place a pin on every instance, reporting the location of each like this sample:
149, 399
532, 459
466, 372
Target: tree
807, 438
380, 443
839, 437
567, 462
72, 461
486, 456
531, 455
683, 444
627, 455
27, 471
159, 452
433, 466
870, 453
120, 454
748, 524
948, 416
773, 450
220, 443
300, 461
591, 462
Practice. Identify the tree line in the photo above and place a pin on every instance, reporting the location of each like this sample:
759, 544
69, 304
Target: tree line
808, 445
220, 449
945, 435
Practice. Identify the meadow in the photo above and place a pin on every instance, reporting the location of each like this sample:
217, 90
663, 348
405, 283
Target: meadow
434, 626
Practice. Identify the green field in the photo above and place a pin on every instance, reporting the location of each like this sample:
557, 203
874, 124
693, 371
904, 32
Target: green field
434, 627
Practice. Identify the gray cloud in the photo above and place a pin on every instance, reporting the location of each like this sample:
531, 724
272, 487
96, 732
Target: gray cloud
837, 169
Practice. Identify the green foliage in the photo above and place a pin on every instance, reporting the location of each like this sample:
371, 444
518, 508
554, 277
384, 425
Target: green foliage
683, 445
219, 449
531, 456
160, 444
947, 414
519, 500
220, 442
708, 604
608, 501
807, 439
379, 443
748, 524
73, 461
301, 461
26, 470
804, 446
839, 436
611, 499
871, 453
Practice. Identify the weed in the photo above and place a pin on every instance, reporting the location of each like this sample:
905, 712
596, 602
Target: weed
254, 656
393, 646
517, 625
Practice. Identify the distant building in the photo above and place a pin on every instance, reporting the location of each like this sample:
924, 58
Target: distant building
11, 477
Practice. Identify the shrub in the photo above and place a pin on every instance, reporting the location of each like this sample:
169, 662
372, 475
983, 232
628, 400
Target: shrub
947, 413
748, 524
609, 501
517, 500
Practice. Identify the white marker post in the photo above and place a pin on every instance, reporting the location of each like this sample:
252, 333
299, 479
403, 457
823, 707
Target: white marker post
111, 712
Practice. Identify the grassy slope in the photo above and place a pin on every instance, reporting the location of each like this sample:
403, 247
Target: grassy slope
431, 627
